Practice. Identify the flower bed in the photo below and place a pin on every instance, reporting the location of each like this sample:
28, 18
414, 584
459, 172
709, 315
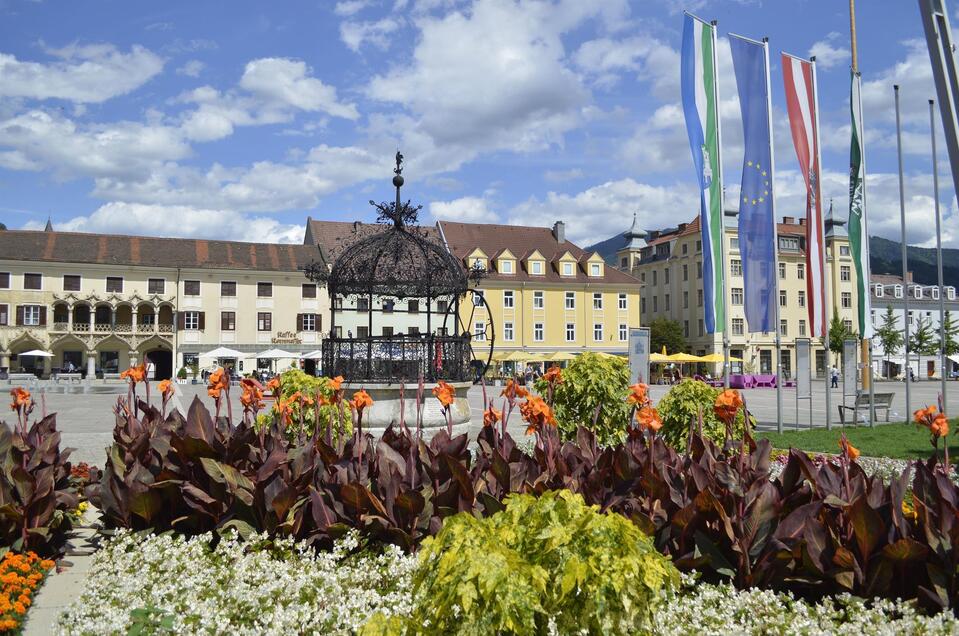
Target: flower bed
20, 576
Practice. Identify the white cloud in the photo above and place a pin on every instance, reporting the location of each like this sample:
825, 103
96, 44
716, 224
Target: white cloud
282, 81
355, 34
182, 221
648, 58
350, 7
86, 74
562, 176
464, 209
192, 68
829, 54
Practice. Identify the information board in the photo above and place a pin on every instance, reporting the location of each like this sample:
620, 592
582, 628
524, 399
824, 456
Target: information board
639, 354
803, 369
850, 366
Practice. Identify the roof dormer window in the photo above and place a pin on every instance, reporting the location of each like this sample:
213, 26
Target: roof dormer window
879, 291
951, 293
506, 266
536, 268
595, 270
935, 293
567, 269
897, 292
917, 292
479, 263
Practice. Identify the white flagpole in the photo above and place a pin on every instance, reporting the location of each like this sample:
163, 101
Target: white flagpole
942, 301
822, 254
772, 207
905, 255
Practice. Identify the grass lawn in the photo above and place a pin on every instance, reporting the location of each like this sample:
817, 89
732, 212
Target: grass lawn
902, 441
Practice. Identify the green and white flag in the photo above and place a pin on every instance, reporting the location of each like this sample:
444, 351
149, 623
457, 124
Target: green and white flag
858, 235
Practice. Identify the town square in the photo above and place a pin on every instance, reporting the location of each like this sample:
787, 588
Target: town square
395, 317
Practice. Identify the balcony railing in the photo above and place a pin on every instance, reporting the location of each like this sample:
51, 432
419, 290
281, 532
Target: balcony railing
145, 328
81, 326
165, 328
60, 327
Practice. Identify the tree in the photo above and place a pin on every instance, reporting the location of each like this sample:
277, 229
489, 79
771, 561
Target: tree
952, 330
838, 333
889, 335
924, 341
664, 332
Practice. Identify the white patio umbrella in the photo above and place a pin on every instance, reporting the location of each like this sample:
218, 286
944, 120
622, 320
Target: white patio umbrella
313, 355
38, 353
275, 354
223, 352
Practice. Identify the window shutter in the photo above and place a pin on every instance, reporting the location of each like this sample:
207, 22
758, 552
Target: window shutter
202, 322
43, 316
299, 322
180, 321
19, 315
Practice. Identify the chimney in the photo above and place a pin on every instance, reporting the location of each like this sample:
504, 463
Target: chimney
789, 220
559, 231
802, 221
909, 277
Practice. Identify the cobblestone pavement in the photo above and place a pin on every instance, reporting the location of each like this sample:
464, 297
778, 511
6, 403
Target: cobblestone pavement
86, 420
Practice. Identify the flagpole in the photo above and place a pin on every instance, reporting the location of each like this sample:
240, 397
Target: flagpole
942, 300
905, 255
772, 208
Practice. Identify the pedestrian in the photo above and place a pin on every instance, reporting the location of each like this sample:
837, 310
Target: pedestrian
834, 373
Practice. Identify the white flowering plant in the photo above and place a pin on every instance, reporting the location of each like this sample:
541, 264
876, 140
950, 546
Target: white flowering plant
169, 584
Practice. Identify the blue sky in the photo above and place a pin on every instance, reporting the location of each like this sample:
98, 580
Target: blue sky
238, 119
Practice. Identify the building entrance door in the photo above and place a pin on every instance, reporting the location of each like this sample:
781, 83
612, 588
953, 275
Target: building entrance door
765, 362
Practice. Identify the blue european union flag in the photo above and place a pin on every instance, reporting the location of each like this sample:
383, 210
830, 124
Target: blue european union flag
757, 230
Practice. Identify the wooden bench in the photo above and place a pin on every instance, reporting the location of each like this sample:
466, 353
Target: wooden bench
21, 377
880, 401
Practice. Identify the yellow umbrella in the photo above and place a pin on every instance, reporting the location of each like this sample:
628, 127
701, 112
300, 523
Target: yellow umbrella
559, 356
609, 355
658, 357
718, 357
684, 357
502, 356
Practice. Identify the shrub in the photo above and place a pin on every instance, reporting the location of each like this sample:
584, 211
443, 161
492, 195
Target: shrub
592, 394
548, 561
303, 392
681, 406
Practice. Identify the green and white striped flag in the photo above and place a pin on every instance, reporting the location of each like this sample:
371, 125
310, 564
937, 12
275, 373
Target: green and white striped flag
858, 235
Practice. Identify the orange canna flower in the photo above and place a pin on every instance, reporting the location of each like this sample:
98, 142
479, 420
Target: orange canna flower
21, 397
273, 385
638, 394
924, 416
136, 374
166, 388
939, 426
252, 397
336, 382
728, 404
537, 414
491, 416
513, 391
445, 393
648, 418
361, 400
554, 375
218, 382
848, 449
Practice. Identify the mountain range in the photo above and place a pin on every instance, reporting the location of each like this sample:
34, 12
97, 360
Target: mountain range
885, 257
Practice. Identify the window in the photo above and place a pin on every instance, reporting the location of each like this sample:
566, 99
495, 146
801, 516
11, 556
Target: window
413, 306
802, 298
685, 271
479, 330
702, 328
156, 285
622, 302
363, 331
597, 301
878, 290
536, 267
31, 315
801, 271
442, 306
734, 243
685, 328
685, 248
595, 269
508, 331
699, 269
935, 292
642, 305
264, 321
699, 297
917, 291
845, 273
508, 300
71, 282
847, 300
783, 327
387, 331
844, 250
415, 331
192, 287
538, 331
506, 267
897, 291
228, 288
33, 281
567, 269
737, 295
308, 322
951, 293
598, 332
666, 276
655, 304
736, 267
538, 300
789, 244
848, 324
738, 326
115, 284
4, 280
624, 263
388, 305
699, 246
623, 332
308, 290
570, 332
685, 300
570, 300
363, 303
667, 305
264, 290
191, 320
227, 321
4, 315
655, 277
782, 298
642, 277
478, 298
782, 271
802, 327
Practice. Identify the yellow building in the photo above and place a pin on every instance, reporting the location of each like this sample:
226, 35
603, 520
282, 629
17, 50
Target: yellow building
669, 265
544, 293
100, 302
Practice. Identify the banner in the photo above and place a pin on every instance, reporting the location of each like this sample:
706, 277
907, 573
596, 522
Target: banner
757, 228
858, 236
850, 367
799, 78
639, 354
701, 109
803, 369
